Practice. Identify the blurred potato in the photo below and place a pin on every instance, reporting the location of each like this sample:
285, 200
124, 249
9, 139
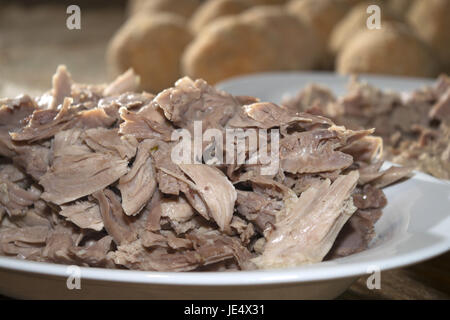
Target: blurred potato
184, 8
260, 39
213, 9
152, 46
394, 50
431, 20
354, 21
322, 15
268, 2
399, 7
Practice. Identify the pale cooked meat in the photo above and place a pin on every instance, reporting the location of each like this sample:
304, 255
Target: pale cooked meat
356, 234
126, 82
442, 85
33, 217
87, 95
213, 247
312, 96
12, 114
45, 123
152, 213
195, 100
359, 229
369, 172
116, 222
94, 118
369, 197
34, 234
164, 239
172, 181
167, 171
178, 243
147, 123
245, 230
109, 141
179, 214
14, 110
427, 151
127, 100
94, 253
83, 166
215, 189
269, 115
69, 143
364, 99
310, 224
2, 213
73, 177
312, 151
58, 246
15, 199
34, 159
24, 242
368, 149
258, 208
390, 176
11, 173
84, 214
139, 184
151, 239
135, 256
441, 110
62, 86
176, 209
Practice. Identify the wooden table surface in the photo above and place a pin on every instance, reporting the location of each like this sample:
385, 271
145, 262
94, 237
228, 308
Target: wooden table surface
34, 41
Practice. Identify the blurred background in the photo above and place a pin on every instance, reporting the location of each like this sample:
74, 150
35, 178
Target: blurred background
218, 39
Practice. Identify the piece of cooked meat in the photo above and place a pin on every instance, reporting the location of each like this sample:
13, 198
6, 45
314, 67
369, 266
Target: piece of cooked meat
215, 189
139, 184
73, 177
84, 214
195, 100
307, 229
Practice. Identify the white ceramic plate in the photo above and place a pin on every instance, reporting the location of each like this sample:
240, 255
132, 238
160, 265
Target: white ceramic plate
415, 226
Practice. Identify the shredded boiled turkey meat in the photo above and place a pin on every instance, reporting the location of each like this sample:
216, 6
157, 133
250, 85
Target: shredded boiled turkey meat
87, 177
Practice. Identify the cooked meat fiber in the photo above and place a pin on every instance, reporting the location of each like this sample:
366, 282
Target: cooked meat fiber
73, 177
87, 177
306, 231
312, 151
109, 141
12, 114
62, 86
15, 199
116, 223
84, 214
215, 189
195, 100
127, 82
414, 125
139, 184
45, 123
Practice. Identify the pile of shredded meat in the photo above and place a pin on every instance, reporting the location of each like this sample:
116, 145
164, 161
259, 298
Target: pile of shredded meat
415, 126
86, 178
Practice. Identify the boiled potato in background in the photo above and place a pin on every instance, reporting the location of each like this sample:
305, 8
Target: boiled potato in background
219, 39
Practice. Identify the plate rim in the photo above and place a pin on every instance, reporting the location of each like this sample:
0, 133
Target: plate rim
322, 271
339, 76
